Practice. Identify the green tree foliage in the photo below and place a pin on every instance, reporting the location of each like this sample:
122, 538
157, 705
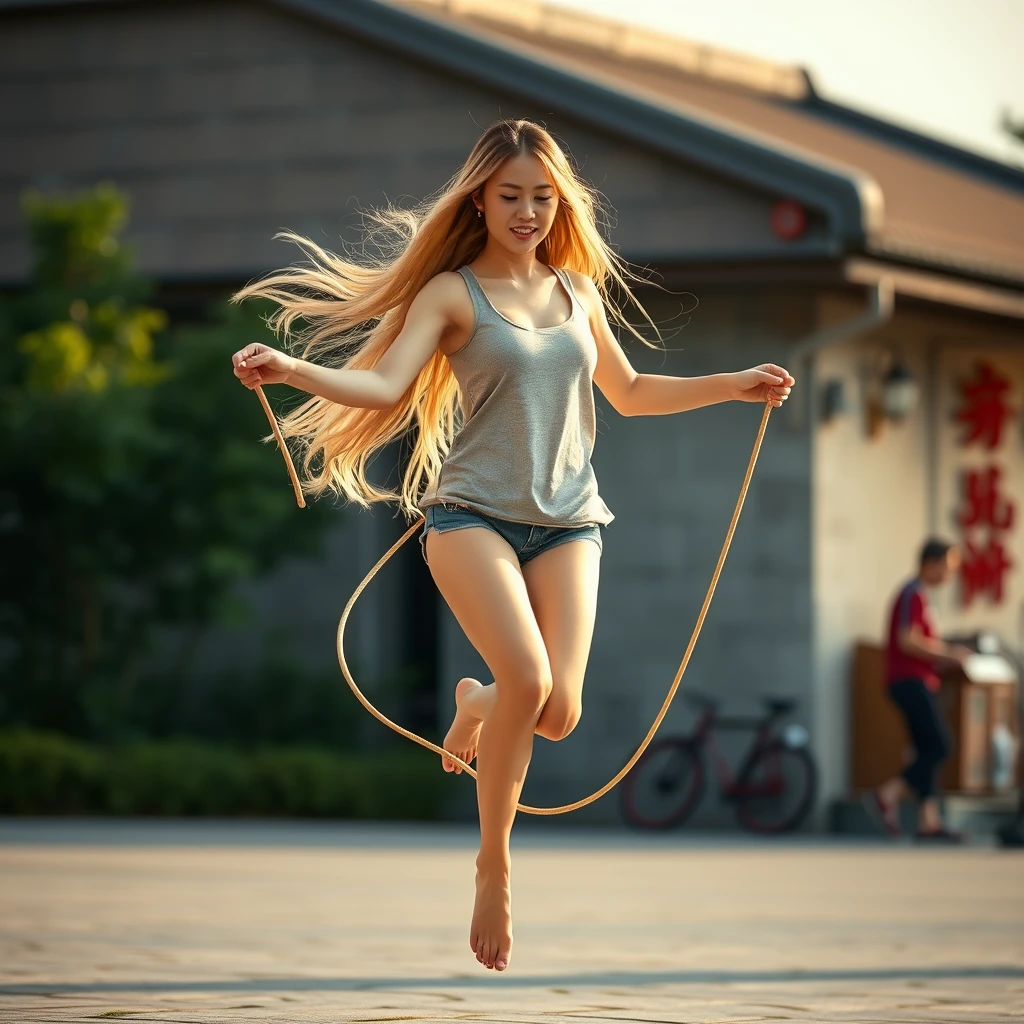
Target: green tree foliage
133, 492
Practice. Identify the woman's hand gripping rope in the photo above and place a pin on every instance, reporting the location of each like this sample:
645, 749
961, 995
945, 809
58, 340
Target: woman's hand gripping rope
764, 383
256, 365
752, 385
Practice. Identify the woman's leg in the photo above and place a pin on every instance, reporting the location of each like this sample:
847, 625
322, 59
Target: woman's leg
562, 585
479, 577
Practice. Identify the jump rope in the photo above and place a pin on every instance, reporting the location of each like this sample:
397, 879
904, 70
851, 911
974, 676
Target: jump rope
565, 808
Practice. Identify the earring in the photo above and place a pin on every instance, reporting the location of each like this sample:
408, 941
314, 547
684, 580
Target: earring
479, 213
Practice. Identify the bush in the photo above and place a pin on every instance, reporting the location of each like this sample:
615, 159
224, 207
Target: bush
47, 773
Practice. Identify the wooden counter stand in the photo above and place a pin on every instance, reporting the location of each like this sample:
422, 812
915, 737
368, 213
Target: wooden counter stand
880, 746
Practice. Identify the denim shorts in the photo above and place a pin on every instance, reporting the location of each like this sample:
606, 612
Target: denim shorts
526, 540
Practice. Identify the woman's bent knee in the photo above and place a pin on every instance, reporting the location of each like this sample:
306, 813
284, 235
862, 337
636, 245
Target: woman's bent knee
558, 722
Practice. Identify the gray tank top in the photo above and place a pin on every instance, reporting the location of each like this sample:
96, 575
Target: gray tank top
523, 451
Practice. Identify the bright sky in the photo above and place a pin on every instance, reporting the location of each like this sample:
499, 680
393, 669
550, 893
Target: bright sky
944, 67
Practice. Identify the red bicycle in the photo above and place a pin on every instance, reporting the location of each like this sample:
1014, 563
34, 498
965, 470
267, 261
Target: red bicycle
773, 789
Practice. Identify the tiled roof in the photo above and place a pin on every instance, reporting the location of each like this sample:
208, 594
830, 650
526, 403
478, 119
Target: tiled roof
943, 207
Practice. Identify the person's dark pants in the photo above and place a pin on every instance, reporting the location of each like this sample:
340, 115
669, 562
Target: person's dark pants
928, 732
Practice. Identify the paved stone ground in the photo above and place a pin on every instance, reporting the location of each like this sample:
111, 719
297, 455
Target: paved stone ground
214, 922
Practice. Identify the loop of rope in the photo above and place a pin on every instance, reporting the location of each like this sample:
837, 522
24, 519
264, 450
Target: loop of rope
525, 808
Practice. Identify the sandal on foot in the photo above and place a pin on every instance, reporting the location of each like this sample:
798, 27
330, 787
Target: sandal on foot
882, 814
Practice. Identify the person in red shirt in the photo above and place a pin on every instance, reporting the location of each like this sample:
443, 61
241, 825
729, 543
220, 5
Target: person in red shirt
915, 653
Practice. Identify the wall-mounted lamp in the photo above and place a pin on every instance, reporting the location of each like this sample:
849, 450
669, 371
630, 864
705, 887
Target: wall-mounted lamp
899, 392
892, 391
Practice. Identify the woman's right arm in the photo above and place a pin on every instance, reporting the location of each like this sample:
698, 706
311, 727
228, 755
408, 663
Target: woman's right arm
435, 309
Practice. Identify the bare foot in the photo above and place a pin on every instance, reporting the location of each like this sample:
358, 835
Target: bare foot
490, 934
464, 734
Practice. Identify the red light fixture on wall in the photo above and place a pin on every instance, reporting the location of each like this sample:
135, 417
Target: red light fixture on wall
789, 220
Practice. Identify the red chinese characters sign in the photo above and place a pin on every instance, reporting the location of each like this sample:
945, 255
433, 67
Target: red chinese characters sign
983, 569
985, 410
987, 512
986, 505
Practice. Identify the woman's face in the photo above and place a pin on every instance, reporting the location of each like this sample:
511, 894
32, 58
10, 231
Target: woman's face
519, 203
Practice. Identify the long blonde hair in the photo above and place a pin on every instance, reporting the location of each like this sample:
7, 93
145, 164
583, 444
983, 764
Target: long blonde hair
346, 312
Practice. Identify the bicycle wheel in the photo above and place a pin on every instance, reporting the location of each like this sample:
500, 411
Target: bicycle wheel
777, 791
664, 786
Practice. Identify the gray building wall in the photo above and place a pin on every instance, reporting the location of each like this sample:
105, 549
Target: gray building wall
672, 482
228, 121
297, 607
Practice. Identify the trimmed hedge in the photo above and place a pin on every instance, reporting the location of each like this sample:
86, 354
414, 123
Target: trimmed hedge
48, 773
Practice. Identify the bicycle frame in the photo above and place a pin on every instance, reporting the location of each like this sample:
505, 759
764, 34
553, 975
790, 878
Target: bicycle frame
733, 785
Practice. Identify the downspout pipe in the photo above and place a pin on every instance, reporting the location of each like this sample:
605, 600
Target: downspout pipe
881, 303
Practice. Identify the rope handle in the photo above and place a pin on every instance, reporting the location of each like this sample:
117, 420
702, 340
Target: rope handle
296, 486
426, 744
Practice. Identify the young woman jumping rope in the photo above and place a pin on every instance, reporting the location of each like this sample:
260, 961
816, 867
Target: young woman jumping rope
483, 326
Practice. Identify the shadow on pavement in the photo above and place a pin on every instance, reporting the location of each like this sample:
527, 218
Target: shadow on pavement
512, 981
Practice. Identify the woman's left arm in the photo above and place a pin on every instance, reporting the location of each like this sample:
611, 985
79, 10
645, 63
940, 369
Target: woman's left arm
650, 394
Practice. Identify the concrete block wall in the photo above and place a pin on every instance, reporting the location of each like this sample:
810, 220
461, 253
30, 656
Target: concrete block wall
672, 483
300, 603
226, 122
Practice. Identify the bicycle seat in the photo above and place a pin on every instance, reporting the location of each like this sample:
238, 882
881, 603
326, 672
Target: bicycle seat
701, 700
779, 705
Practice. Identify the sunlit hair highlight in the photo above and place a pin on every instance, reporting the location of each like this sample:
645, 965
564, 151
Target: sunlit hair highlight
346, 312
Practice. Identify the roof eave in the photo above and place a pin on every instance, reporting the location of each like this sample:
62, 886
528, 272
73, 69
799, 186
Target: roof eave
930, 286
849, 199
945, 261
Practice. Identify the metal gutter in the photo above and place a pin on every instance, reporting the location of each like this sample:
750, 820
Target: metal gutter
980, 298
881, 303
